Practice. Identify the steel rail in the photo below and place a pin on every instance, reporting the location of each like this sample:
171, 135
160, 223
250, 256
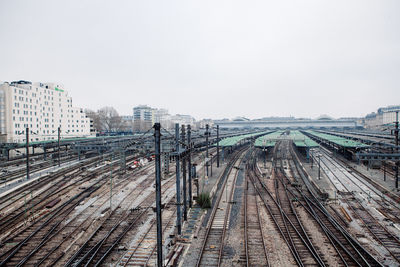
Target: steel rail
215, 208
332, 227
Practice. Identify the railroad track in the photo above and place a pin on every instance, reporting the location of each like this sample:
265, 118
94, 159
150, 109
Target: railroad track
48, 190
143, 252
350, 252
16, 194
111, 231
255, 248
52, 252
213, 240
383, 197
20, 173
43, 251
104, 239
377, 229
294, 225
13, 242
38, 234
299, 247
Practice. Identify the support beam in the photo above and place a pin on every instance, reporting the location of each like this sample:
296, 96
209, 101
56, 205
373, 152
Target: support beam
27, 154
59, 133
189, 159
157, 141
217, 146
207, 150
183, 139
178, 182
396, 134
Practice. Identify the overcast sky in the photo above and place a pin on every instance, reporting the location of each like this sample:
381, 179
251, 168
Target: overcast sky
210, 59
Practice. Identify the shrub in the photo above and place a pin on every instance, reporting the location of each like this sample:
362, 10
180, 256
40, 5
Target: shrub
204, 200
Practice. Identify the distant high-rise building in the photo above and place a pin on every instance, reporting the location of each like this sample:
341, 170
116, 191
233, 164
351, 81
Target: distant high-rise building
41, 107
142, 118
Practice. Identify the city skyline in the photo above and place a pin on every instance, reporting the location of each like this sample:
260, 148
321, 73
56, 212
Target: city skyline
322, 114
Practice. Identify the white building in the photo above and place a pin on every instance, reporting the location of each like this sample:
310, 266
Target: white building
142, 118
385, 116
41, 107
183, 119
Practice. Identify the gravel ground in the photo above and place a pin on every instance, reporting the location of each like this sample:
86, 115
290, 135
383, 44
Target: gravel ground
319, 240
278, 252
234, 240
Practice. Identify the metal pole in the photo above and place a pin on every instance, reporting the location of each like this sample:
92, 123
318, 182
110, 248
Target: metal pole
112, 158
178, 182
59, 133
396, 134
207, 150
265, 157
27, 153
217, 146
384, 171
157, 139
32, 207
184, 176
189, 158
26, 210
319, 167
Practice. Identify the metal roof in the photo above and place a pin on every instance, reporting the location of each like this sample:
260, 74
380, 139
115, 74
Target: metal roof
268, 140
300, 140
231, 141
340, 141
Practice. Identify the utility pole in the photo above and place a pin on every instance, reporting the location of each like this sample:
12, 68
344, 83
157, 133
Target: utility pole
384, 171
178, 182
396, 134
157, 139
184, 176
27, 154
207, 150
112, 158
319, 167
217, 146
59, 133
189, 158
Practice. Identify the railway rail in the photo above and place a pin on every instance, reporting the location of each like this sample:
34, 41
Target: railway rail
13, 240
52, 253
213, 240
349, 250
363, 192
255, 247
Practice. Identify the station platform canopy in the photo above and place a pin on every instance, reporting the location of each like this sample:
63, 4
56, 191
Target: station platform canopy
268, 140
301, 140
231, 141
339, 141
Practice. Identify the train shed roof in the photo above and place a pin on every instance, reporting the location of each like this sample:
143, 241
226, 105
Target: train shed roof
268, 140
340, 141
231, 141
301, 140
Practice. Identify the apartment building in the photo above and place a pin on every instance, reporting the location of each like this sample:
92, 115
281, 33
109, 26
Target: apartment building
41, 107
142, 118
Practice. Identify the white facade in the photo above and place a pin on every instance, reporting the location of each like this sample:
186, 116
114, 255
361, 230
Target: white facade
142, 118
183, 119
383, 117
41, 107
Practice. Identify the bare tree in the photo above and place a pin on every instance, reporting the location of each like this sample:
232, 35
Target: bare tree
93, 115
109, 119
